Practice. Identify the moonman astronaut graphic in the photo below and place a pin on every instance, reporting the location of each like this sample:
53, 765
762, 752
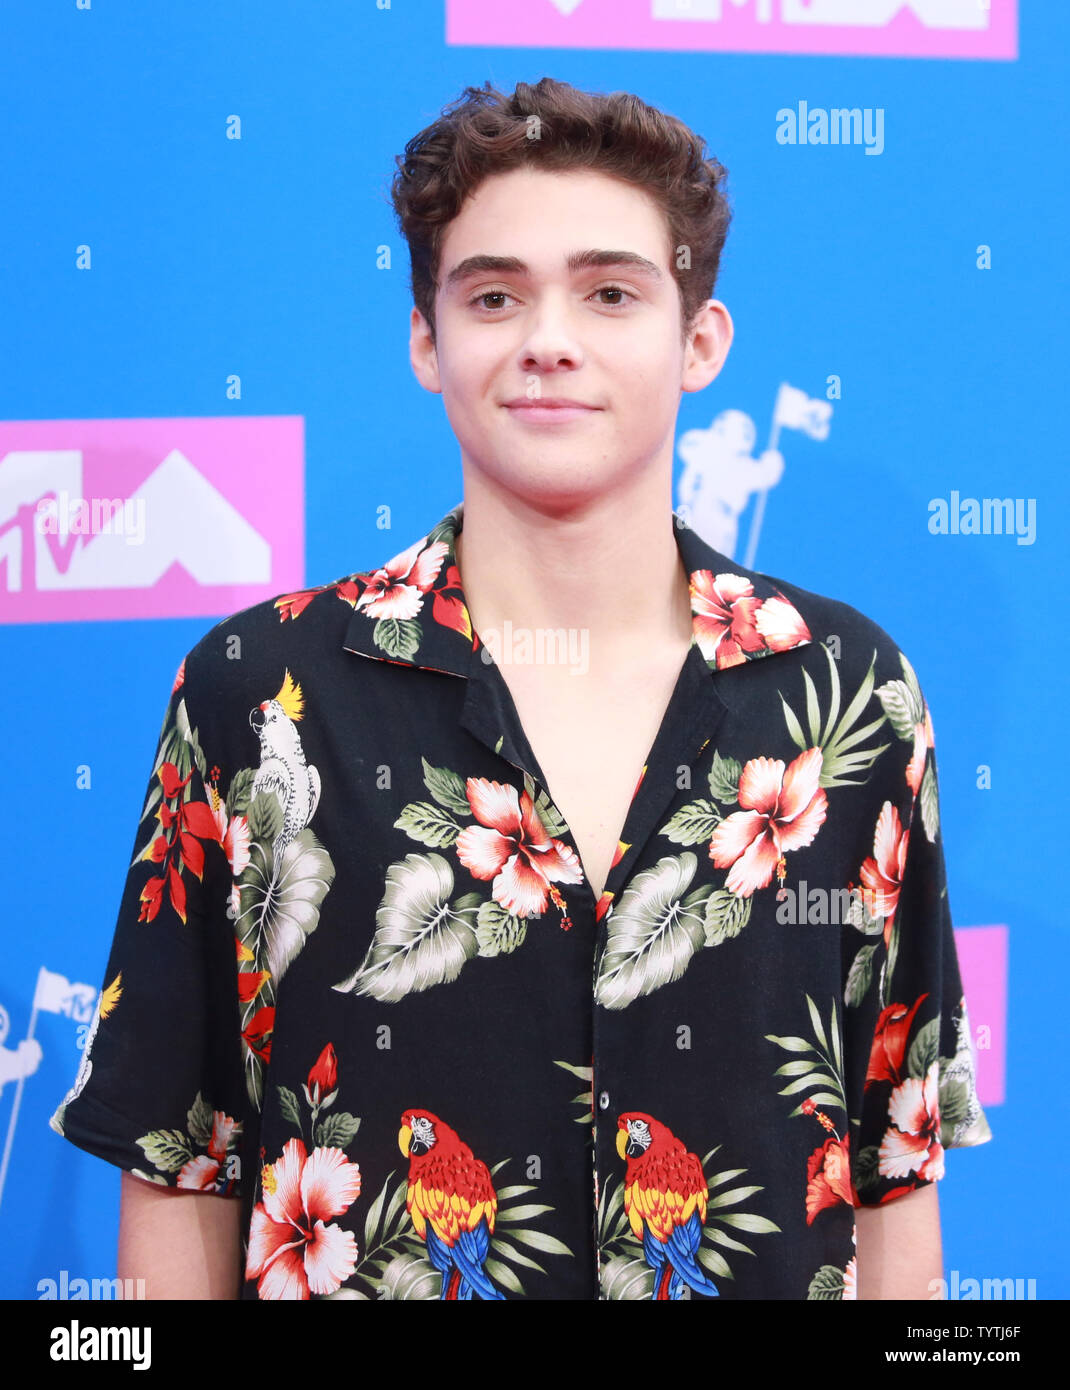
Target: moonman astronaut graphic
720, 473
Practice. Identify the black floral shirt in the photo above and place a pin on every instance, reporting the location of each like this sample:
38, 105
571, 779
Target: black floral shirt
360, 983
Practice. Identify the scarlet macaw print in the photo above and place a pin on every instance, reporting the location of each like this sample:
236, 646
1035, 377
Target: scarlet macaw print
665, 1193
452, 1203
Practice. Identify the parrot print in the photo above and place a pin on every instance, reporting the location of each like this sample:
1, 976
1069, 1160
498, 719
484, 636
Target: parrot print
452, 1203
665, 1194
283, 769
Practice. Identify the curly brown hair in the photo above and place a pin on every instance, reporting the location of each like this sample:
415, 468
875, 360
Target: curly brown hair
484, 132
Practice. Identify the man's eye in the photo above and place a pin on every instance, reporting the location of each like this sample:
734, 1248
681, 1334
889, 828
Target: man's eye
616, 289
621, 303
488, 294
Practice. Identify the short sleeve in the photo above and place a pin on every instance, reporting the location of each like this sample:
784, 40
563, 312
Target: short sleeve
160, 1089
912, 1070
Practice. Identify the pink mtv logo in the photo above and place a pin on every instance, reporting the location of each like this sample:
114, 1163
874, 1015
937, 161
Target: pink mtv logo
148, 518
982, 953
882, 28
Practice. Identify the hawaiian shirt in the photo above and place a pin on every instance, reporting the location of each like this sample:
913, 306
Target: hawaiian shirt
360, 983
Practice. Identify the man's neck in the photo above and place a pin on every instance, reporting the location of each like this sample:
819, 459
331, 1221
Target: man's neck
611, 569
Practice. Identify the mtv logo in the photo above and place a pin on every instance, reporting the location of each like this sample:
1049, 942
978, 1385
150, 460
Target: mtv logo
108, 519
977, 29
934, 14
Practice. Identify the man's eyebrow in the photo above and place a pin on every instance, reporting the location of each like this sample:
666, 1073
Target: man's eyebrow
578, 260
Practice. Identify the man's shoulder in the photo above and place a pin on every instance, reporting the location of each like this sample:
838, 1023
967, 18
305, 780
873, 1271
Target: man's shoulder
850, 658
849, 634
253, 648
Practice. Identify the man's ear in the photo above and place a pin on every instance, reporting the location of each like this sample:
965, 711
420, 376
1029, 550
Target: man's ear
422, 353
707, 346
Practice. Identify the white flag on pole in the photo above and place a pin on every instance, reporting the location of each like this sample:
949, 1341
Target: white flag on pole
795, 410
56, 995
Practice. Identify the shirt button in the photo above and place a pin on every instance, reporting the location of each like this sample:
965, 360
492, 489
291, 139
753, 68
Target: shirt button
603, 1100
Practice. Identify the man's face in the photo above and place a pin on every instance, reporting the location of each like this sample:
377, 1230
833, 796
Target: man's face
513, 338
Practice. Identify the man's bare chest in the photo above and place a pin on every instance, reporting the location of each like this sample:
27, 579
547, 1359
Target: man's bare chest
592, 741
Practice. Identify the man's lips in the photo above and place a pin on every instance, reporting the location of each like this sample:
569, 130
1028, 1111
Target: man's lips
554, 411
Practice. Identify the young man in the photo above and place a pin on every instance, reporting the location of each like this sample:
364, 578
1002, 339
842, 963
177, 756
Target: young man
591, 931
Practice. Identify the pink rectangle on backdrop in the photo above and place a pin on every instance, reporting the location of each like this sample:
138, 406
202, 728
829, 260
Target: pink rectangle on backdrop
213, 516
895, 28
982, 953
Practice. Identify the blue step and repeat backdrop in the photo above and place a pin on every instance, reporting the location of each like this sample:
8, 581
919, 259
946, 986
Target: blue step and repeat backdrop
205, 319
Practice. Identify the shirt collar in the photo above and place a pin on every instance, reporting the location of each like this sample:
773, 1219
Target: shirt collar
412, 610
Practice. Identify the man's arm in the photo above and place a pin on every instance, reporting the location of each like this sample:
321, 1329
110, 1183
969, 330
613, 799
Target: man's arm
183, 1244
899, 1246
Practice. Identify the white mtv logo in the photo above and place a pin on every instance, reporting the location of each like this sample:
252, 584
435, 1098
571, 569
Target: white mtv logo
872, 14
54, 538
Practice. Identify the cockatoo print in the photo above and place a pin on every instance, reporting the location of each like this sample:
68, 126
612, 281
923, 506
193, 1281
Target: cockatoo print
283, 769
960, 1070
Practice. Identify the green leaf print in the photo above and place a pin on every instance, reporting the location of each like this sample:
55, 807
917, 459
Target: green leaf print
627, 1277
239, 792
166, 1149
692, 824
410, 1277
281, 897
841, 761
288, 1106
930, 805
498, 932
265, 816
724, 778
585, 1099
428, 825
336, 1131
199, 1122
421, 938
822, 1072
867, 1167
447, 787
552, 820
726, 916
924, 1050
827, 1283
399, 638
651, 933
859, 976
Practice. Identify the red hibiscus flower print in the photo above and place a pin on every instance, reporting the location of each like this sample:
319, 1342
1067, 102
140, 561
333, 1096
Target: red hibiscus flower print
882, 873
180, 675
890, 1042
233, 833
782, 810
183, 827
511, 846
781, 625
293, 1252
911, 1144
724, 608
828, 1177
202, 1172
730, 622
397, 590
